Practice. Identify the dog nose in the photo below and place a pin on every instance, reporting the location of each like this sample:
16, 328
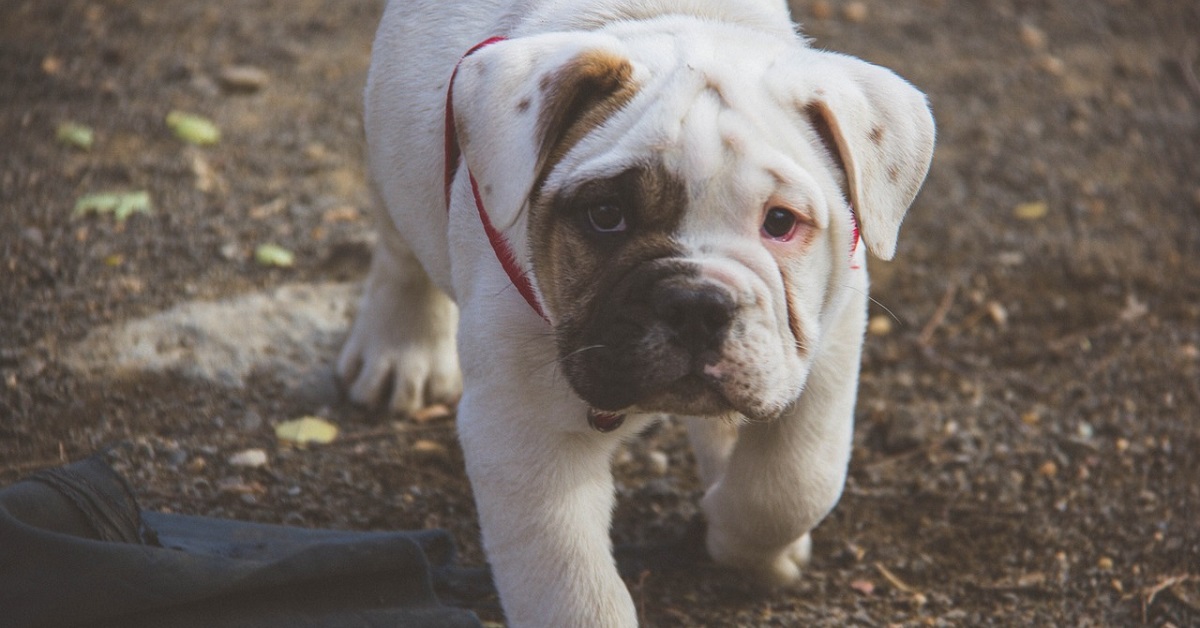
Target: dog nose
698, 315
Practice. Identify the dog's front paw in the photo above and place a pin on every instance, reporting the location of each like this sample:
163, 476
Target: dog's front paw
770, 567
401, 349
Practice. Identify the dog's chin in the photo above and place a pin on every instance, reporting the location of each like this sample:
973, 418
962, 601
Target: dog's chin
694, 395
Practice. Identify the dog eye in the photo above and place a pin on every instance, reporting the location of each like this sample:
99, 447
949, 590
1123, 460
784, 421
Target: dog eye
606, 218
779, 223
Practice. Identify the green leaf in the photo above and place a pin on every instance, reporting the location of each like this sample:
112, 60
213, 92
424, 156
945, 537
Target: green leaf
274, 255
306, 430
121, 205
193, 129
75, 134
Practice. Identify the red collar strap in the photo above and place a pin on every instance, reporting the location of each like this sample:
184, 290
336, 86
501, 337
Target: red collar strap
453, 155
599, 420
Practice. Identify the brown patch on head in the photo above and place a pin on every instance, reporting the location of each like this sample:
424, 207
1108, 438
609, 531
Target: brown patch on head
577, 98
893, 173
523, 105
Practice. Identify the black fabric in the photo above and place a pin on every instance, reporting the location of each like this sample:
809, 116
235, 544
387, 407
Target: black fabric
76, 551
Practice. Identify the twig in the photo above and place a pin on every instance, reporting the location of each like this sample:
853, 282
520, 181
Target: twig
1149, 593
383, 432
1188, 67
939, 316
895, 580
21, 467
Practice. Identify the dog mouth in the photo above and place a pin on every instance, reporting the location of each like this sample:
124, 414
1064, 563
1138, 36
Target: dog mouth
657, 387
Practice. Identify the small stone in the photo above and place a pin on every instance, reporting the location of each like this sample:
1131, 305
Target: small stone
252, 458
434, 412
430, 451
244, 78
1105, 563
880, 325
865, 587
1048, 469
998, 313
34, 237
251, 421
821, 10
658, 462
1033, 37
1051, 64
855, 12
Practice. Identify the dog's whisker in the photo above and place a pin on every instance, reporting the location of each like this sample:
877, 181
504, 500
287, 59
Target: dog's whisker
876, 302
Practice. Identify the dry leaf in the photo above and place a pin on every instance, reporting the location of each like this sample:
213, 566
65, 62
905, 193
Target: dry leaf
193, 129
1031, 211
274, 255
306, 430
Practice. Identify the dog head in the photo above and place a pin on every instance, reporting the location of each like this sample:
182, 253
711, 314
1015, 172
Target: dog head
687, 197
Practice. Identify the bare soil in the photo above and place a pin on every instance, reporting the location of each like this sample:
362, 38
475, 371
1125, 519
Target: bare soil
1028, 441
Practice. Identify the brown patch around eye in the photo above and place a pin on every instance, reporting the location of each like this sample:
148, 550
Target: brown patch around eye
574, 264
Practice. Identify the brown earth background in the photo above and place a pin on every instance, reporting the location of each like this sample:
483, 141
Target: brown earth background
1028, 440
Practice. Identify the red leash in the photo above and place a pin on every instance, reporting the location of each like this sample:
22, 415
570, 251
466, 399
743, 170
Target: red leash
599, 420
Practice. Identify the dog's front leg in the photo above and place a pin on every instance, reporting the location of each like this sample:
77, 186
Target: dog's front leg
782, 477
545, 495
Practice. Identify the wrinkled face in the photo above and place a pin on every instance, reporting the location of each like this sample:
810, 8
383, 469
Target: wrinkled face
688, 235
687, 197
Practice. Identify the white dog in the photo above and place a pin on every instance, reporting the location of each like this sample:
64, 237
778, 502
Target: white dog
640, 207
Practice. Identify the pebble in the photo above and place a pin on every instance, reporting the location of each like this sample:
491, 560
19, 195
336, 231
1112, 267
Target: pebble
1051, 65
880, 325
1033, 37
246, 78
434, 412
658, 461
252, 458
34, 236
998, 313
821, 10
430, 451
855, 12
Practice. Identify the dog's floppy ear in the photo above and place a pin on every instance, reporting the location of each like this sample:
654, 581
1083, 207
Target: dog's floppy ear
879, 129
520, 104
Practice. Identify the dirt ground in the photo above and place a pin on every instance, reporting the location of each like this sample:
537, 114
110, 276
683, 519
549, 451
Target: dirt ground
1028, 440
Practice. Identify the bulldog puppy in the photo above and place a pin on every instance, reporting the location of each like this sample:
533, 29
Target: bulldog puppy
623, 209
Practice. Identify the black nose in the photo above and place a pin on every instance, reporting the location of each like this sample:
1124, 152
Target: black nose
697, 315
